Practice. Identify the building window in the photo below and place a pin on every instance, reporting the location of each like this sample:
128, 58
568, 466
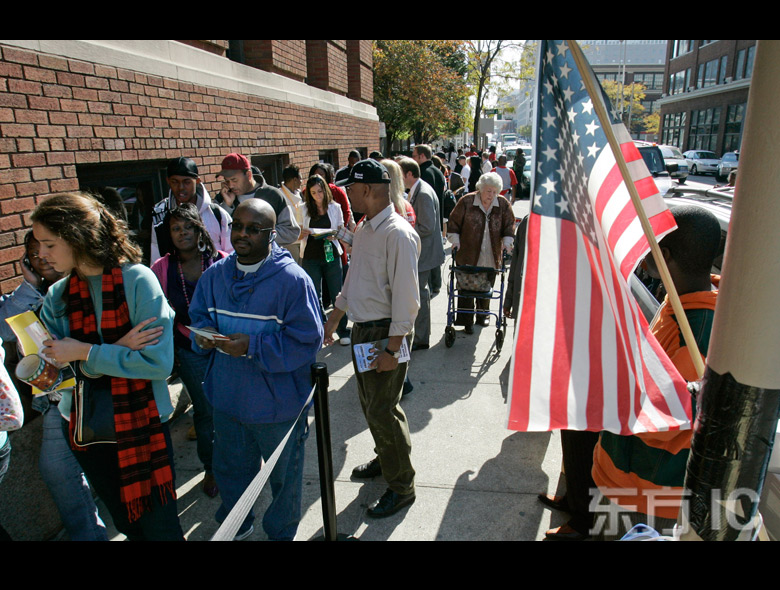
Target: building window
271, 167
673, 129
722, 71
678, 82
708, 74
732, 137
651, 81
740, 64
328, 156
139, 185
751, 56
235, 51
704, 129
745, 59
681, 48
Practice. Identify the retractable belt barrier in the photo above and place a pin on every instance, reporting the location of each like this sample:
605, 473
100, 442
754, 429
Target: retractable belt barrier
229, 527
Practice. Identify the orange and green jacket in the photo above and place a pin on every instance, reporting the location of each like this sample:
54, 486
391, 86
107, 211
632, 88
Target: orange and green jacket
653, 464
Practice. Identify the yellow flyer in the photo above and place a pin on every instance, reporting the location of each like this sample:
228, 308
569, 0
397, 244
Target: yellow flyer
30, 333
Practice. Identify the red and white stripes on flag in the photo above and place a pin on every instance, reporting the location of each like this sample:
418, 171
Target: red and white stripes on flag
615, 210
584, 357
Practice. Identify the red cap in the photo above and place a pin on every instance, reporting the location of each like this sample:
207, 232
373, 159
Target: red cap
234, 163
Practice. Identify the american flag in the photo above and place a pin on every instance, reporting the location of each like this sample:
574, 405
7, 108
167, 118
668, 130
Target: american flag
584, 357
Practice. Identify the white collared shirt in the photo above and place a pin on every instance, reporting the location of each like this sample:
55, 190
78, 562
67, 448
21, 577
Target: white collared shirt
382, 280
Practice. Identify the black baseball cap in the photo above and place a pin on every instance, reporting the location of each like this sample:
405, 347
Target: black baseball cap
367, 172
182, 167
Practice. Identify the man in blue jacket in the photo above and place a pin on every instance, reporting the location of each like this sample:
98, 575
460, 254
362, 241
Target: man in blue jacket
258, 379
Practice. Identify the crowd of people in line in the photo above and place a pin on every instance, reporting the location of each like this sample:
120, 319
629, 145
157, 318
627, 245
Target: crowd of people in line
259, 266
235, 301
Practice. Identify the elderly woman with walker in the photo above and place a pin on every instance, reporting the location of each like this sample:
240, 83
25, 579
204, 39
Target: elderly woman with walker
480, 229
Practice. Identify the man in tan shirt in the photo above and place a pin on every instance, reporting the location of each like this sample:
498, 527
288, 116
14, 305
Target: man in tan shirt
382, 296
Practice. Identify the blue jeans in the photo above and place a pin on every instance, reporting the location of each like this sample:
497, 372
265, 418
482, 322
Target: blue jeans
66, 482
192, 370
238, 450
5, 459
330, 272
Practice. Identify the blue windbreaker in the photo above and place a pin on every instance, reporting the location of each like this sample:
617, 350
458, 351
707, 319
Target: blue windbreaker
279, 310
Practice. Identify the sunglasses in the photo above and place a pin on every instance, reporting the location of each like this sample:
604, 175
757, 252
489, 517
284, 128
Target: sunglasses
252, 230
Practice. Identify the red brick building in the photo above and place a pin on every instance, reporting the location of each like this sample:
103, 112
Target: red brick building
705, 93
93, 114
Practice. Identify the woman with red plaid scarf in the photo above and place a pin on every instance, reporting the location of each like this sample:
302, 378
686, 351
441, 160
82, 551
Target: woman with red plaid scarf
111, 318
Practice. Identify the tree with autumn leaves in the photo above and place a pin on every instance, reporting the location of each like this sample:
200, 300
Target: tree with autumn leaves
426, 89
420, 88
629, 101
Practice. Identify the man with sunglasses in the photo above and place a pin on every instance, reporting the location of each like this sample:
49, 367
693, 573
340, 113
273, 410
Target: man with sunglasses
259, 378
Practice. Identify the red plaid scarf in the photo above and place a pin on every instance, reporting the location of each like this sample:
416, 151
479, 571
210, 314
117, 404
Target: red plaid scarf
141, 447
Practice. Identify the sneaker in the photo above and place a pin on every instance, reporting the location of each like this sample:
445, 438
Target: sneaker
345, 341
241, 536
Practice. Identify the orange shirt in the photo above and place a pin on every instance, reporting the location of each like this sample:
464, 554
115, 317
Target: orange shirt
645, 472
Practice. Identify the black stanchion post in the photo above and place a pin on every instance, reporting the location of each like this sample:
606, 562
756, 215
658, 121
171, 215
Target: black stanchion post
319, 377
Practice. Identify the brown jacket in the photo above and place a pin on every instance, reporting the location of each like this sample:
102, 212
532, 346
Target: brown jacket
468, 221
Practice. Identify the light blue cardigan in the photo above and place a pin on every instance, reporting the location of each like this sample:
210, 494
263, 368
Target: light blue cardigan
145, 299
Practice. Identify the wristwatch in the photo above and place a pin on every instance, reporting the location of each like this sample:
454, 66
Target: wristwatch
396, 354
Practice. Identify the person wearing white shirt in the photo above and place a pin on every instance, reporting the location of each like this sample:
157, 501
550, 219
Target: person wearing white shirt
291, 189
382, 296
487, 165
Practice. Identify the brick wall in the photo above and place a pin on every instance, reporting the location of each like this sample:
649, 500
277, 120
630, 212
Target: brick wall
57, 113
327, 65
281, 56
360, 63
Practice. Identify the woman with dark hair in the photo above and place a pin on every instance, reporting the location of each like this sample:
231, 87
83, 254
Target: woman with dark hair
475, 163
321, 256
178, 273
110, 318
339, 195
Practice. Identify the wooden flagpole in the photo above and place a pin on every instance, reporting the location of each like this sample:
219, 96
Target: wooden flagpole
671, 291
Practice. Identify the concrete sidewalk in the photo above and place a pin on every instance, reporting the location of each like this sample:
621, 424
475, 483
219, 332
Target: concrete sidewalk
476, 480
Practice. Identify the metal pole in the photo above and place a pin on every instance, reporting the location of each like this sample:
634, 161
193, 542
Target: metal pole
319, 377
738, 404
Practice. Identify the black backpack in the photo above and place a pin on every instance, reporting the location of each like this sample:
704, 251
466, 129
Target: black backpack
448, 203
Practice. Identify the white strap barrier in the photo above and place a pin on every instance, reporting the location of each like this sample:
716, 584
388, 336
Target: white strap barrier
228, 529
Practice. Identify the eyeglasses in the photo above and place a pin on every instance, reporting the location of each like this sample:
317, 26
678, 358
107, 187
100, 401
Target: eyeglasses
252, 230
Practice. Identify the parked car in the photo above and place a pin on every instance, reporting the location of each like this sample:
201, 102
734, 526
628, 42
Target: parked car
702, 162
511, 150
673, 157
654, 160
525, 182
727, 163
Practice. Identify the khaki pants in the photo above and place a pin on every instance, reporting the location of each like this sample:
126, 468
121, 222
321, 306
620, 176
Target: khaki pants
380, 397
